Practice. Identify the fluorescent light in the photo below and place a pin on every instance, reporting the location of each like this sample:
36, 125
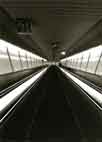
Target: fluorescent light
63, 53
17, 93
91, 91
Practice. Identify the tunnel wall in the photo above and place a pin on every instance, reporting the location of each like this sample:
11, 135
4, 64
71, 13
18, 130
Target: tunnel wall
88, 61
13, 58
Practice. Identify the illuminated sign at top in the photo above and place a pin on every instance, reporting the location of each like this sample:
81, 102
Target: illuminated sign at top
24, 25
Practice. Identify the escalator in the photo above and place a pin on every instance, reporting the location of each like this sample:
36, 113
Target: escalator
53, 111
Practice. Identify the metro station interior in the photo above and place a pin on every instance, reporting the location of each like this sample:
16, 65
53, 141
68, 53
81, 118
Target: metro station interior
50, 71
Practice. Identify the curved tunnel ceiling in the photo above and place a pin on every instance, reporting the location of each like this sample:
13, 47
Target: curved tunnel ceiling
70, 25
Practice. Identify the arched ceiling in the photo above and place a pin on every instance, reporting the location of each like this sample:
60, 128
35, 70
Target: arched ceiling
60, 25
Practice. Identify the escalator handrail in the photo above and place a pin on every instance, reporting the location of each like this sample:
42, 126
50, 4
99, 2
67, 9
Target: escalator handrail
15, 85
10, 100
